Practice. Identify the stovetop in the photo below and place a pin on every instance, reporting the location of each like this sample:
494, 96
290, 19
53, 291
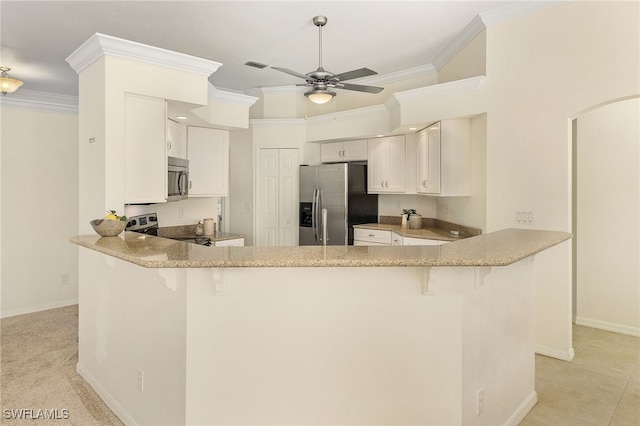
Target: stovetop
148, 224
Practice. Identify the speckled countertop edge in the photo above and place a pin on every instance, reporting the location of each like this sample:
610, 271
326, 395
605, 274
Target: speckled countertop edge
499, 248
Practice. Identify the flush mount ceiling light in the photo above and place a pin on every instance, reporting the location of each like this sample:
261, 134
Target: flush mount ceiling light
8, 84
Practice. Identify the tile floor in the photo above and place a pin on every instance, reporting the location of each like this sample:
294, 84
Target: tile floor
600, 386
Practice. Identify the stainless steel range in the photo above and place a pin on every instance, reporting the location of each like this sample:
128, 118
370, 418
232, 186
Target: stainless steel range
148, 224
145, 224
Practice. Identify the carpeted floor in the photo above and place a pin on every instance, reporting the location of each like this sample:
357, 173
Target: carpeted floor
38, 379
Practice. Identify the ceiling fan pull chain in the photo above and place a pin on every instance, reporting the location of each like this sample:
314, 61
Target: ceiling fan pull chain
334, 108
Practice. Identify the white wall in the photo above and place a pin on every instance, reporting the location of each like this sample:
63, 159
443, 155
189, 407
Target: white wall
40, 210
240, 198
543, 70
608, 196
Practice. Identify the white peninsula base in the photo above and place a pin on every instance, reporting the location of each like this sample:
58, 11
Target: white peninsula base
331, 346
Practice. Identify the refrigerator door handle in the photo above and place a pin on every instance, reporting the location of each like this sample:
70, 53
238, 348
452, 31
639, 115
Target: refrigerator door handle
319, 222
325, 237
314, 216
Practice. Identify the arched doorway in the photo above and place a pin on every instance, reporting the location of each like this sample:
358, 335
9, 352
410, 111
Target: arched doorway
606, 217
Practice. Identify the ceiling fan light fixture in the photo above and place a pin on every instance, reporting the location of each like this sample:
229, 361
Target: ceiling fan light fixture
8, 84
320, 96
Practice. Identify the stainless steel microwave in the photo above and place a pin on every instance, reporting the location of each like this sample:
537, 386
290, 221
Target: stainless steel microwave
178, 179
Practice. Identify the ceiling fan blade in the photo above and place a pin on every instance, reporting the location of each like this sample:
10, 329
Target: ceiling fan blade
288, 71
349, 75
359, 88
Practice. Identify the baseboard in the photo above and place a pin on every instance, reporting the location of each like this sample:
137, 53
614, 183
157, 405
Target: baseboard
105, 396
555, 353
609, 326
39, 308
522, 411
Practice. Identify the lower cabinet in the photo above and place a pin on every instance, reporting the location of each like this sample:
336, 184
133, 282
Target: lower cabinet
411, 241
235, 242
371, 237
374, 237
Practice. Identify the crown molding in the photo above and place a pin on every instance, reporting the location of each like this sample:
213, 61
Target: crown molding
380, 79
41, 101
99, 45
473, 28
366, 112
451, 87
216, 94
277, 122
485, 19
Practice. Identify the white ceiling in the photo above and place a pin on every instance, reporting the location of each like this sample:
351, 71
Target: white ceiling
385, 36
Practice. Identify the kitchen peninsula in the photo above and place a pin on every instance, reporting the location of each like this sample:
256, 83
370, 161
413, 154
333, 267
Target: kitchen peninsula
175, 333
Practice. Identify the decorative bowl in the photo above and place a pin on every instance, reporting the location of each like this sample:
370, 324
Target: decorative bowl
108, 227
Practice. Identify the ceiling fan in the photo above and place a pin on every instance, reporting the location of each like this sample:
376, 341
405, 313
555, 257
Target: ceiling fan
321, 81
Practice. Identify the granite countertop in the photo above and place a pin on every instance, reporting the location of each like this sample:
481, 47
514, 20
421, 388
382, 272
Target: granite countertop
188, 231
426, 233
498, 248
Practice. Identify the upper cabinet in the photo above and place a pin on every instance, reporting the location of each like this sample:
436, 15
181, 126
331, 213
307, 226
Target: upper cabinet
444, 158
145, 171
386, 164
208, 154
176, 139
339, 152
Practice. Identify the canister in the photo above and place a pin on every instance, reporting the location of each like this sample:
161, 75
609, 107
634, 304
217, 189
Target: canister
208, 226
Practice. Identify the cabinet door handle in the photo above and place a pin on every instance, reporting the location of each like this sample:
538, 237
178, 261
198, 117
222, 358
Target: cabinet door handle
169, 145
190, 184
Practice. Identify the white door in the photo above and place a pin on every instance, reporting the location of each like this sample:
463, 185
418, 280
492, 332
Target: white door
277, 197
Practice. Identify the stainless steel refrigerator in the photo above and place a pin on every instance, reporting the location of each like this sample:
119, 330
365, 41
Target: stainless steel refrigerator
341, 189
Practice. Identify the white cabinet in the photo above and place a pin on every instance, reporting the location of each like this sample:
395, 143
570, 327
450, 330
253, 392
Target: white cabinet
443, 152
396, 239
145, 155
377, 237
386, 164
176, 139
336, 152
411, 241
208, 154
234, 242
371, 237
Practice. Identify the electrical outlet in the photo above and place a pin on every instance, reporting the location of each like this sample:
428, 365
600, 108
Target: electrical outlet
180, 212
140, 380
64, 279
479, 401
523, 217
